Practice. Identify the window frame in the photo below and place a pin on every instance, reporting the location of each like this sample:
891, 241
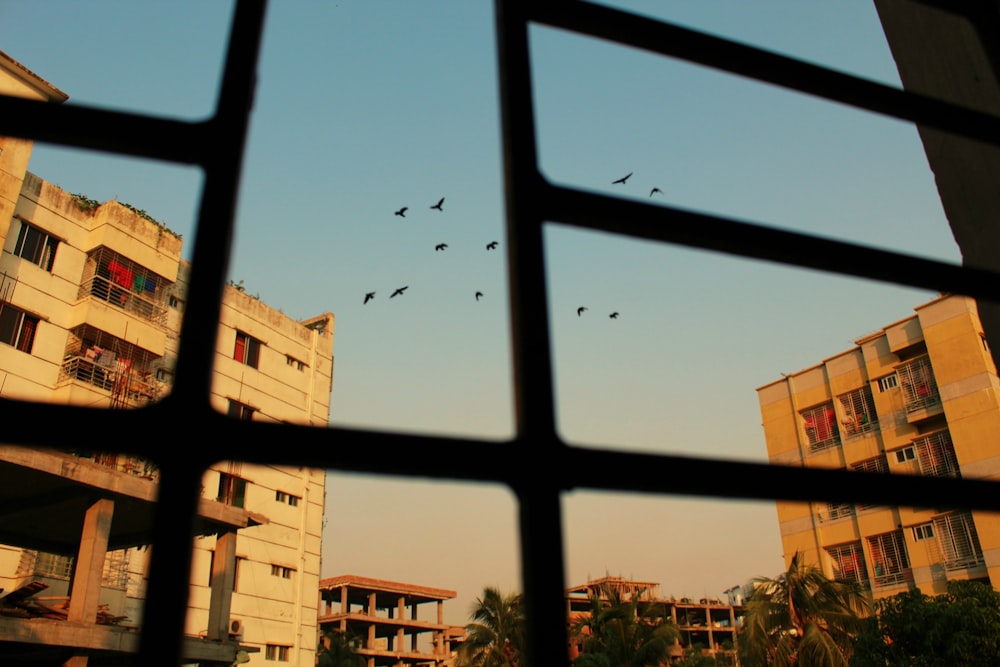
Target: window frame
246, 349
40, 250
18, 327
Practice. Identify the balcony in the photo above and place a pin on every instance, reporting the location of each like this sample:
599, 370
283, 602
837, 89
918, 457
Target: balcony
131, 301
126, 385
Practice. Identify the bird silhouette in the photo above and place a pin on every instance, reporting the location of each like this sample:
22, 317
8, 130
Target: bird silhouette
369, 296
622, 179
580, 310
439, 204
492, 245
402, 212
399, 291
654, 191
614, 315
478, 295
440, 246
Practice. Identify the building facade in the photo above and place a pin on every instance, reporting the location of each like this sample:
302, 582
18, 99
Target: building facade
918, 397
91, 302
705, 624
393, 624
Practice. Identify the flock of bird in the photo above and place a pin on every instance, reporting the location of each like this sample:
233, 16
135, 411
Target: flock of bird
492, 245
401, 212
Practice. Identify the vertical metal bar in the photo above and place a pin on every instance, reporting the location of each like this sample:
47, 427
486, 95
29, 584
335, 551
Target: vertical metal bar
539, 504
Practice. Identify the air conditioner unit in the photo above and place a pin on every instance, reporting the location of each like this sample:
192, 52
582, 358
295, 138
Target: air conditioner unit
235, 627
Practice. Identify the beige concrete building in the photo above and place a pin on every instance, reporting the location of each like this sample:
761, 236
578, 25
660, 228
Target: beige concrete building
91, 300
918, 397
707, 623
395, 624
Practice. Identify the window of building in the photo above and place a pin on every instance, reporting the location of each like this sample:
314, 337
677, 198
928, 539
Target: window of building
282, 571
174, 302
917, 381
924, 531
890, 562
958, 540
36, 246
888, 382
905, 454
276, 652
820, 424
17, 328
858, 410
936, 455
239, 410
287, 498
115, 572
849, 563
247, 349
294, 363
232, 490
838, 511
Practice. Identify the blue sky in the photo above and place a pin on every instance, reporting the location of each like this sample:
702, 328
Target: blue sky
365, 106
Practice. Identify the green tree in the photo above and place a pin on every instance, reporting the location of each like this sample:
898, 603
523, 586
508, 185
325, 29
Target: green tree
338, 649
622, 632
495, 637
802, 618
956, 629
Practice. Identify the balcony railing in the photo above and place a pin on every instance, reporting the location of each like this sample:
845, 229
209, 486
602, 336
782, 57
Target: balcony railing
118, 382
126, 299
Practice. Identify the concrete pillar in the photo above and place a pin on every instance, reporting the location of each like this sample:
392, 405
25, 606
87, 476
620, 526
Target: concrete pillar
223, 579
90, 562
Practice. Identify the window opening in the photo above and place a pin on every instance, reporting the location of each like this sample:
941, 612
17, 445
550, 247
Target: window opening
890, 562
820, 424
858, 409
247, 349
36, 246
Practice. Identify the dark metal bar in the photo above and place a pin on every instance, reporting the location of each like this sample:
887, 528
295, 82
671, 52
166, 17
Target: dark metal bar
729, 56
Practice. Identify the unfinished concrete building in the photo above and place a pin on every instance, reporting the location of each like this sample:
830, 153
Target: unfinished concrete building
393, 623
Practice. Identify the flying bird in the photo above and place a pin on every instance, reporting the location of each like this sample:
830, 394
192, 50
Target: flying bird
399, 291
438, 205
622, 179
478, 295
579, 311
402, 212
492, 245
369, 296
440, 246
654, 191
614, 315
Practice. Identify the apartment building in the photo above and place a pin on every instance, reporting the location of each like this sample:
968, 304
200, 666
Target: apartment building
92, 297
918, 397
394, 624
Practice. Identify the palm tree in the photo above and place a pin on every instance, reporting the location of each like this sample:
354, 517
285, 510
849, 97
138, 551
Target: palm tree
620, 632
802, 617
495, 637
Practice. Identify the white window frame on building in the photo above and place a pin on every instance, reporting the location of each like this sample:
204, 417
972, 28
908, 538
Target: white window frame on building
246, 349
36, 245
17, 327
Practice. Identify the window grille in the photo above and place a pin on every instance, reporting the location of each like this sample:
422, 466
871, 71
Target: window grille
115, 573
121, 282
858, 410
53, 565
836, 511
890, 562
936, 455
917, 381
216, 144
959, 540
820, 424
849, 563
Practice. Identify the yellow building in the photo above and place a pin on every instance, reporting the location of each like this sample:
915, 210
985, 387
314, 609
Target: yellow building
921, 396
91, 300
